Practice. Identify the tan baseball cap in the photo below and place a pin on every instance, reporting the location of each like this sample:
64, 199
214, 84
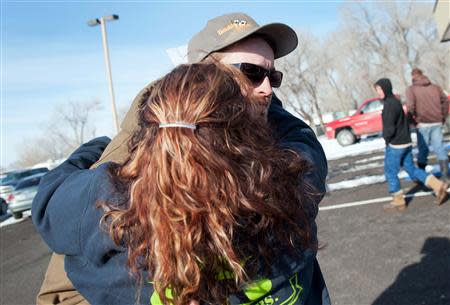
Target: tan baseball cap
223, 31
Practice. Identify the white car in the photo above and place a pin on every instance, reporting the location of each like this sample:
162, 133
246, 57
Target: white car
23, 194
8, 180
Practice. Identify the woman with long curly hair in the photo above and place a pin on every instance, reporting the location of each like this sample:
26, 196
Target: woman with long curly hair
207, 208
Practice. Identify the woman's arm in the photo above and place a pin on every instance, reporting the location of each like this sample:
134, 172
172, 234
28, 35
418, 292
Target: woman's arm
64, 195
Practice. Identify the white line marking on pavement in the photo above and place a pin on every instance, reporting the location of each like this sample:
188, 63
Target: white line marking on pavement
370, 201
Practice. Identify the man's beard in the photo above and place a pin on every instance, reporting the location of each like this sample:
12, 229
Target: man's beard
262, 107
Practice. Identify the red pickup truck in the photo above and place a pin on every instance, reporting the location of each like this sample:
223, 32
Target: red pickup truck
365, 121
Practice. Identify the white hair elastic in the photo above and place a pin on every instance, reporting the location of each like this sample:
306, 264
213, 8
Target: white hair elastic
178, 124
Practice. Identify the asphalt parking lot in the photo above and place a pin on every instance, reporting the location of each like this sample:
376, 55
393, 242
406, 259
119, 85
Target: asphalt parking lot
379, 257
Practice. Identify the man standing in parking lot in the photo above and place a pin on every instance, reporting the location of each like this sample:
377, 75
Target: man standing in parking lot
428, 104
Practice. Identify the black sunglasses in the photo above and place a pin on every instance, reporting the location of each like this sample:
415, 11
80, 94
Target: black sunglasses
256, 74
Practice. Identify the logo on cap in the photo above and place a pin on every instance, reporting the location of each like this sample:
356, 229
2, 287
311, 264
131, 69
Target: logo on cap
236, 24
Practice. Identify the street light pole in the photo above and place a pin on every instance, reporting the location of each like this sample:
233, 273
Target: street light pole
102, 22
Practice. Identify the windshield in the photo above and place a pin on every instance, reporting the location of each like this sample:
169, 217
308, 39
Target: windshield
29, 182
372, 106
8, 179
12, 177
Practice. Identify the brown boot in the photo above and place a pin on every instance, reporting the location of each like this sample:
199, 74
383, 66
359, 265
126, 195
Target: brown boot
398, 202
439, 188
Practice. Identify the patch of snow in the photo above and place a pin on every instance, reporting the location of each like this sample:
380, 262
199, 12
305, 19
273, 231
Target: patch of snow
366, 180
334, 151
376, 158
358, 168
347, 184
12, 220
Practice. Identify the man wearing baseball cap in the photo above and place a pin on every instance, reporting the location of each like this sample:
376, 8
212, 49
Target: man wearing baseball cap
234, 39
224, 31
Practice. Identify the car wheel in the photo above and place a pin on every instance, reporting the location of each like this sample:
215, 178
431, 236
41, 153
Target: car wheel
3, 206
17, 215
345, 137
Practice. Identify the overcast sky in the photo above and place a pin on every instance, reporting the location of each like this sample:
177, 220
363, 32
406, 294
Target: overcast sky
50, 56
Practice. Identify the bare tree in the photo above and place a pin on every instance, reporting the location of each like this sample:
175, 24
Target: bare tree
349, 74
71, 123
373, 40
37, 150
301, 86
70, 126
392, 38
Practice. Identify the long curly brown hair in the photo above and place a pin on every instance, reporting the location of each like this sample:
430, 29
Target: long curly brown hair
198, 202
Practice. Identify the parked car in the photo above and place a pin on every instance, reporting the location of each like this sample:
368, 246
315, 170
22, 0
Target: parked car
365, 121
9, 180
22, 195
5, 192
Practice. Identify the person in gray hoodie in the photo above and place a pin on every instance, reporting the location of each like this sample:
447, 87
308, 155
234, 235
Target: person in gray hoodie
428, 105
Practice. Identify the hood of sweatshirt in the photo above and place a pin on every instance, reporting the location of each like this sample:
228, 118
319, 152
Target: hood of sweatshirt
421, 81
386, 86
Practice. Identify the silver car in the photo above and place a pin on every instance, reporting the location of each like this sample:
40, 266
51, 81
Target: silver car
23, 194
8, 180
5, 192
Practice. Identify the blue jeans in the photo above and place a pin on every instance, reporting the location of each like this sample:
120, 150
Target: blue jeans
430, 136
394, 159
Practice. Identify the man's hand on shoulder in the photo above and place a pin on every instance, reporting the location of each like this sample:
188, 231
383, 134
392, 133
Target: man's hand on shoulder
88, 153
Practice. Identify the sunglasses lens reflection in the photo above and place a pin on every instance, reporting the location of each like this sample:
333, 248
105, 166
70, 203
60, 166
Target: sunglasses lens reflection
256, 74
275, 78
